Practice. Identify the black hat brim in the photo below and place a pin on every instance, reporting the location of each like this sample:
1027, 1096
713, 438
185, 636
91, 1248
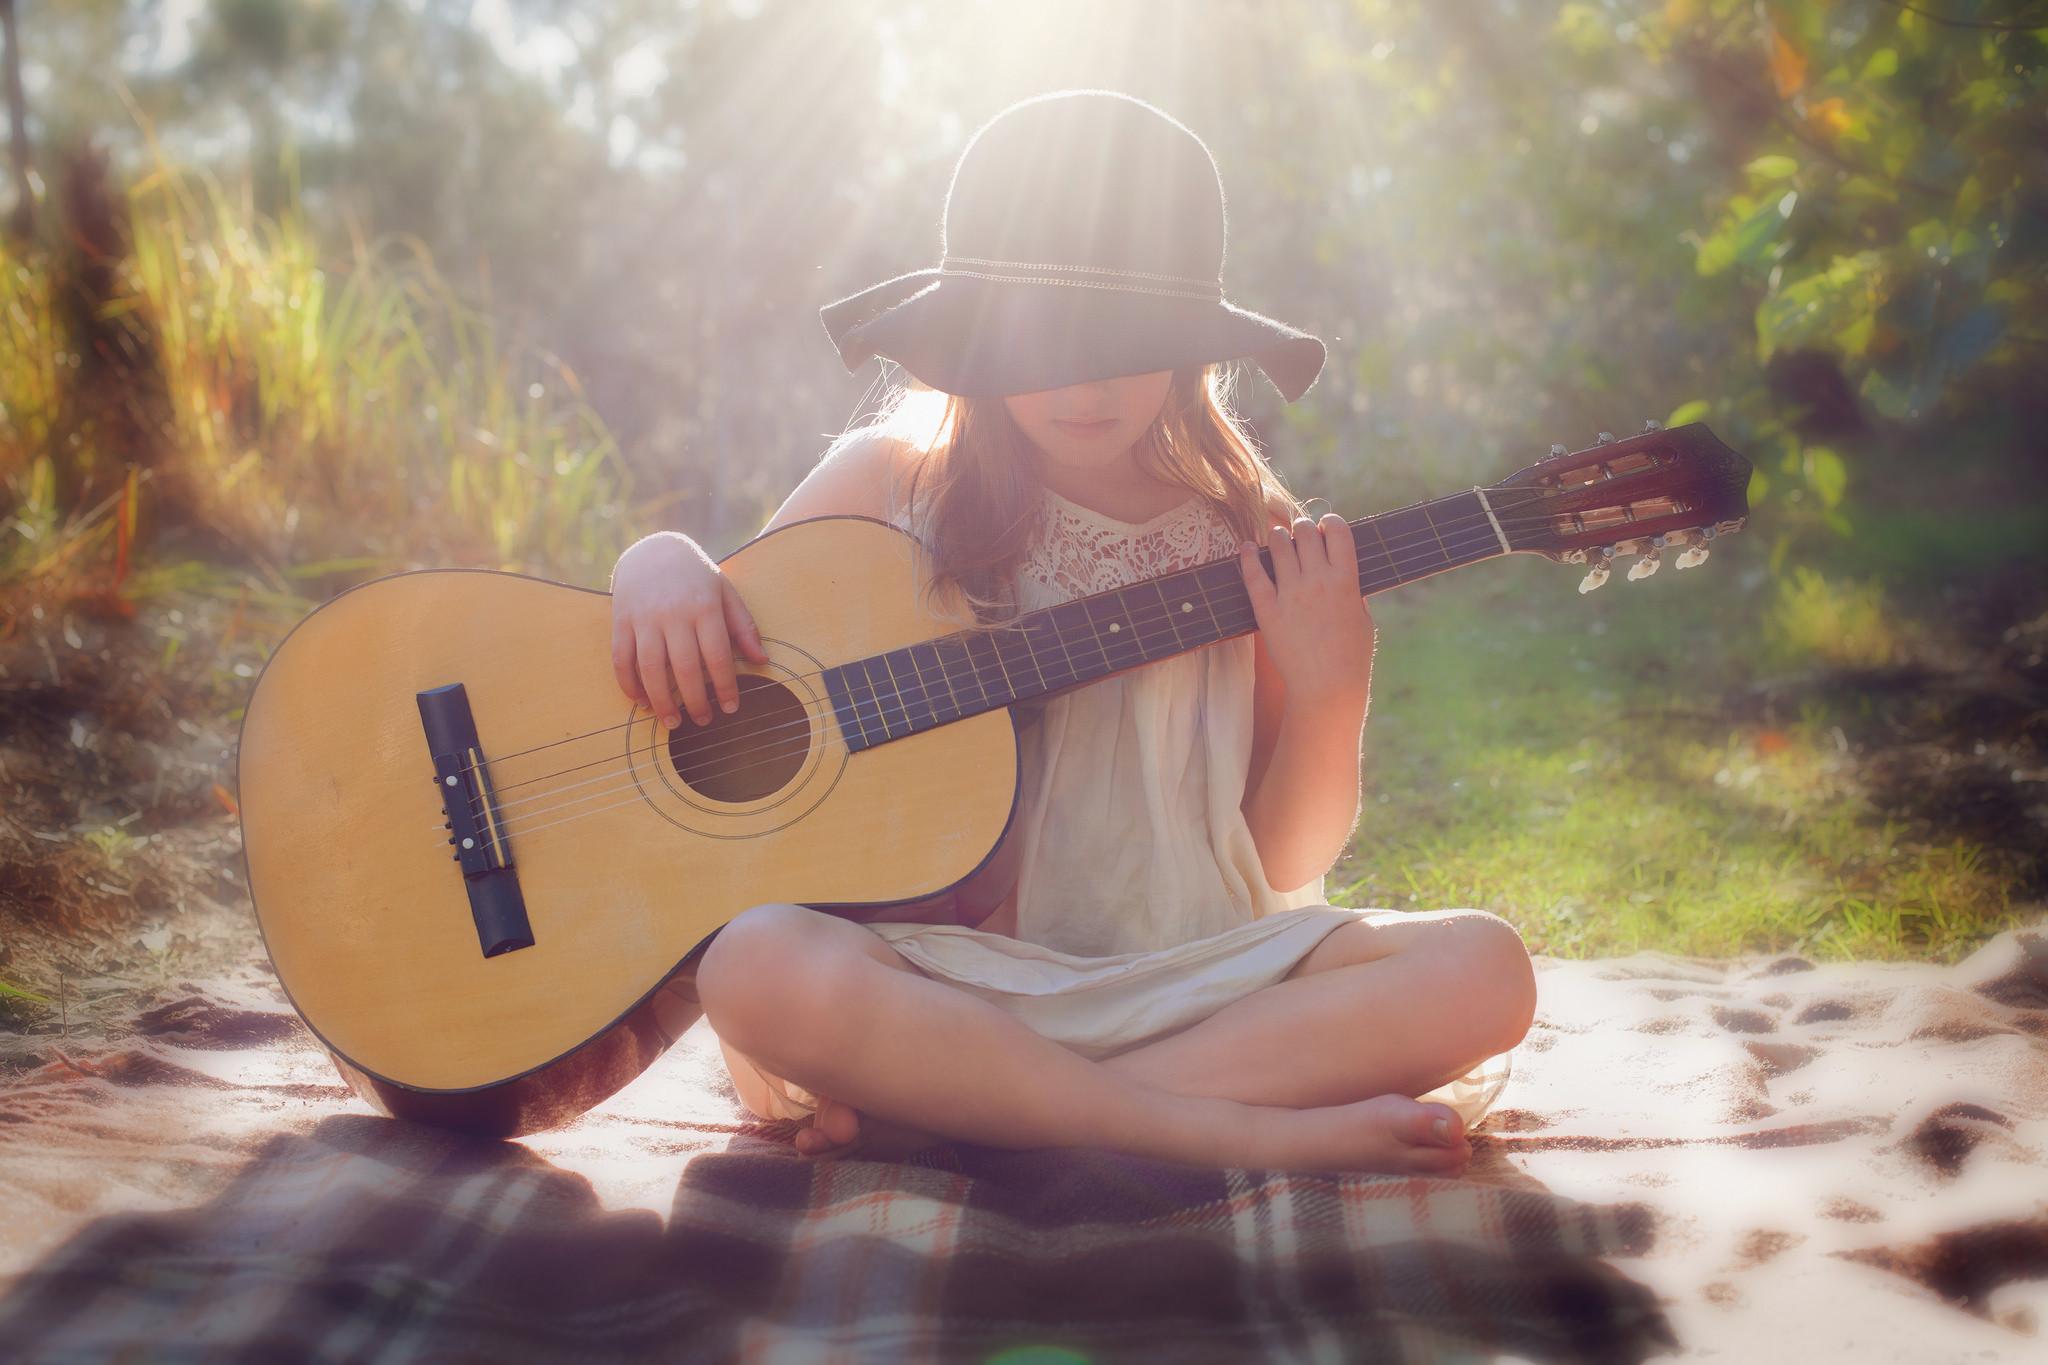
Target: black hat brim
987, 339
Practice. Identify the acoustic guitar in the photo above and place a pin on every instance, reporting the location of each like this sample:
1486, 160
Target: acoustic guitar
481, 872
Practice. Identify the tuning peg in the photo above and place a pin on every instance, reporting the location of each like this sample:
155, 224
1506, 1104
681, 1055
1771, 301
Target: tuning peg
1606, 439
1693, 557
1645, 566
1557, 449
1652, 424
1602, 560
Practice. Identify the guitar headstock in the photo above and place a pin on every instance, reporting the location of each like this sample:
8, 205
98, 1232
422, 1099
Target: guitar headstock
1653, 491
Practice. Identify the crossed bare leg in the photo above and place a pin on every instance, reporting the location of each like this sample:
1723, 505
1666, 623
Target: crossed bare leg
1239, 1088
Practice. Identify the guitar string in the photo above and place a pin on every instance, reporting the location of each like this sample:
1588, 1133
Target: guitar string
1455, 529
1161, 617
757, 755
761, 752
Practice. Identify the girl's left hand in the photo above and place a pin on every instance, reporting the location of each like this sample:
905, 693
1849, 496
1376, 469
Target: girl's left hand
1317, 629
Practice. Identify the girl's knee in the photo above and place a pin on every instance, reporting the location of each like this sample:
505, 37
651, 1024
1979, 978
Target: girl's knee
1491, 948
759, 962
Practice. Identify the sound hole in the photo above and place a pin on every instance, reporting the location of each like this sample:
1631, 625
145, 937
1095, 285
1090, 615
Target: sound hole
749, 754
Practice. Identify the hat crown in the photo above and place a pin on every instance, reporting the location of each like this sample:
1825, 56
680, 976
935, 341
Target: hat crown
1087, 178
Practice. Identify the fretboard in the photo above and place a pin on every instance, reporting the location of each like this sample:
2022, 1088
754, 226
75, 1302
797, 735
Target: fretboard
935, 682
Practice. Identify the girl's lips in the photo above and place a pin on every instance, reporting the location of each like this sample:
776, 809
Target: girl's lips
1102, 425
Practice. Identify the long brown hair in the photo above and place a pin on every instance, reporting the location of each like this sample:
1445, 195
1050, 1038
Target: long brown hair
973, 473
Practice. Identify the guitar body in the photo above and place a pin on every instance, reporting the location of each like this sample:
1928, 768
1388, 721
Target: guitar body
629, 853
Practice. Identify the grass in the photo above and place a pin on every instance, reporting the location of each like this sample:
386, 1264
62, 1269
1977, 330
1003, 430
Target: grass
1568, 763
348, 415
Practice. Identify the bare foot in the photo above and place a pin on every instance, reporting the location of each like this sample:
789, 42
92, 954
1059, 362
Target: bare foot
832, 1127
1391, 1134
838, 1129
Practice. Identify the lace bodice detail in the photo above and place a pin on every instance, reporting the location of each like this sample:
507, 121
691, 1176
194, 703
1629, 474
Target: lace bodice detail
1078, 551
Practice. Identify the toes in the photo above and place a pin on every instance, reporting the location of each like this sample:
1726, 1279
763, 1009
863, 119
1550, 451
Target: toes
1421, 1127
839, 1122
1438, 1160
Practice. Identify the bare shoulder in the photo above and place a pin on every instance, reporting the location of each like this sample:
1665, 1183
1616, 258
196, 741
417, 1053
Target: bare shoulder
854, 478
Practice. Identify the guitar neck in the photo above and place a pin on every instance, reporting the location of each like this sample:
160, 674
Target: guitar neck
935, 682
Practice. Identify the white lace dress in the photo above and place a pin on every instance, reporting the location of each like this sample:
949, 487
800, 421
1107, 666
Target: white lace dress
1141, 906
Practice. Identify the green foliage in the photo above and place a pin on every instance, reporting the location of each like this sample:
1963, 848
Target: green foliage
353, 415
1843, 623
1887, 185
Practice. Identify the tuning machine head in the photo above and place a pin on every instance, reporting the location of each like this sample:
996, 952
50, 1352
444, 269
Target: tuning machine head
1602, 559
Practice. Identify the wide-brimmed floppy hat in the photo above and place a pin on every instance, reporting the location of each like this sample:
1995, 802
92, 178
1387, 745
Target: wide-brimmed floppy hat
1082, 238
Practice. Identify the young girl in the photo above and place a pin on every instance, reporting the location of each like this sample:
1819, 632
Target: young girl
1165, 977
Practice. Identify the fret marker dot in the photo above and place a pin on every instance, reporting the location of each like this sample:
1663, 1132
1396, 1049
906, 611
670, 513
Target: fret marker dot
1115, 626
469, 843
1187, 606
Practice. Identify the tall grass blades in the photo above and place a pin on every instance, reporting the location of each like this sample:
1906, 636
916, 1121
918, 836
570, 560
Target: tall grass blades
356, 415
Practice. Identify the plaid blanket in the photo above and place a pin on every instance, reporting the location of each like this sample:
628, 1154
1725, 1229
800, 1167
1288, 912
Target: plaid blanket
670, 1224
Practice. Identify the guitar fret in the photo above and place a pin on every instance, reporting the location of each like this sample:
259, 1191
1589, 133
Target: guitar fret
1131, 639
917, 708
846, 706
1430, 521
943, 708
981, 651
1223, 585
1172, 618
958, 668
1367, 584
1012, 648
892, 727
1040, 627
1067, 619
1208, 604
1110, 618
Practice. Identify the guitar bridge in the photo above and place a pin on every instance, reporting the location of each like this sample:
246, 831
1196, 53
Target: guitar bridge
471, 805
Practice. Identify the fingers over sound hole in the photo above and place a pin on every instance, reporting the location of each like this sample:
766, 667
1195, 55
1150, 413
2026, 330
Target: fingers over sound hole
749, 754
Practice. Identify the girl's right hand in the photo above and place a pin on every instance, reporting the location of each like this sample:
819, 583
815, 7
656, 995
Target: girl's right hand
676, 616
